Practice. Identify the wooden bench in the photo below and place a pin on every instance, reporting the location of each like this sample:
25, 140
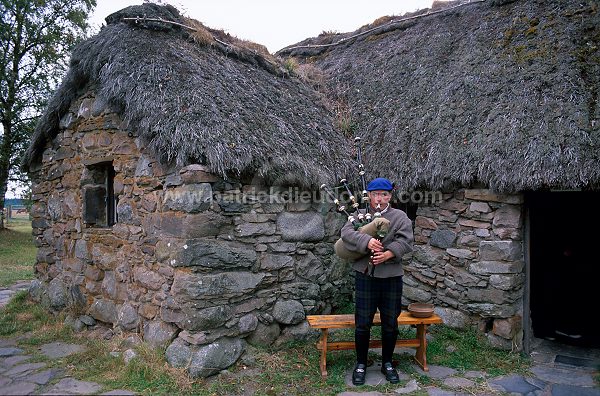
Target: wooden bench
326, 322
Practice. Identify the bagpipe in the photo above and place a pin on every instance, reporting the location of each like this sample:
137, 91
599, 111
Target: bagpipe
362, 219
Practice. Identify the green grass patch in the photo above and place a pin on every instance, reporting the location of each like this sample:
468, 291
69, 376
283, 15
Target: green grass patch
148, 373
21, 315
52, 332
293, 370
466, 349
17, 252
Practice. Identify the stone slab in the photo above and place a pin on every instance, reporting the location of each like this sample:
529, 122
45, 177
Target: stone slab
4, 381
23, 369
57, 350
457, 382
73, 386
436, 372
411, 386
43, 377
563, 376
11, 361
475, 374
513, 383
439, 392
569, 390
10, 351
19, 388
576, 361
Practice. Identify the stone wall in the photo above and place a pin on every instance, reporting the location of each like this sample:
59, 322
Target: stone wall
194, 262
468, 261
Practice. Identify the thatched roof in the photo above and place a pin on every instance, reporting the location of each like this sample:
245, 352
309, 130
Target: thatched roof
500, 93
199, 95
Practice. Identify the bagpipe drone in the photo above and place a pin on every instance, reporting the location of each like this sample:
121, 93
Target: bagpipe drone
362, 219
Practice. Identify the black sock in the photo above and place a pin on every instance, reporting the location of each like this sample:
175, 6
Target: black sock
361, 340
388, 344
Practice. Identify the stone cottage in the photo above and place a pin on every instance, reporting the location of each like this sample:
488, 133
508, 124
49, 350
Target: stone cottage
174, 172
486, 114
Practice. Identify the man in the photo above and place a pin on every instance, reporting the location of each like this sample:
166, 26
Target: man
379, 285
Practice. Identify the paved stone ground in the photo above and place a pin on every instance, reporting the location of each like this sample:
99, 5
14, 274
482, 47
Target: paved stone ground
549, 378
18, 376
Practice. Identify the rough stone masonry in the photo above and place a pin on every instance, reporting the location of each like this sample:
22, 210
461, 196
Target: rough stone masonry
193, 262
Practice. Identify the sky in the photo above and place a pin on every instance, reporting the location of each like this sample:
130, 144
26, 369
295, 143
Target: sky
276, 24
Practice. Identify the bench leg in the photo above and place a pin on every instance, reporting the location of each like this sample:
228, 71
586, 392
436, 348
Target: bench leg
323, 362
420, 355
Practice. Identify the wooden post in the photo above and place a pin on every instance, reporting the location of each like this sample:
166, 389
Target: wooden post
323, 362
420, 355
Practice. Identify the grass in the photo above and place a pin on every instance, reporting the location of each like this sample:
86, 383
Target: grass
17, 252
292, 370
21, 316
466, 349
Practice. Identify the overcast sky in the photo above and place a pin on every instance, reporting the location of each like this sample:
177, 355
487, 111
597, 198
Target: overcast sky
276, 24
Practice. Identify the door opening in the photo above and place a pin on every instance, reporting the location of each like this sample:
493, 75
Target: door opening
564, 266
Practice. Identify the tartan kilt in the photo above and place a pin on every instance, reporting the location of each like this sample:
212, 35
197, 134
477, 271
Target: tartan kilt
373, 293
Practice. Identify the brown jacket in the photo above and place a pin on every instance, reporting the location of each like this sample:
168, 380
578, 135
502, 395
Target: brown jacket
399, 240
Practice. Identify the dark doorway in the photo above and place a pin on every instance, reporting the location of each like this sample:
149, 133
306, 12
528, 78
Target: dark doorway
564, 266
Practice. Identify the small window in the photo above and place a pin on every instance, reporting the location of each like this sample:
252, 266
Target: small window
99, 201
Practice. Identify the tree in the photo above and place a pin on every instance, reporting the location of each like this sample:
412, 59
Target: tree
37, 37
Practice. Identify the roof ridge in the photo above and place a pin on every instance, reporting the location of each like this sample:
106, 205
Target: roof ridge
390, 24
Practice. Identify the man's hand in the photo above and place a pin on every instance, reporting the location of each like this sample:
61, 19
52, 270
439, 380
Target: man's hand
375, 245
380, 257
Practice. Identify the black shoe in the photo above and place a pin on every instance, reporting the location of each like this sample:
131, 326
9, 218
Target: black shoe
391, 375
359, 374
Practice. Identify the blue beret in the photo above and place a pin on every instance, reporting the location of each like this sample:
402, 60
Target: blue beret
380, 183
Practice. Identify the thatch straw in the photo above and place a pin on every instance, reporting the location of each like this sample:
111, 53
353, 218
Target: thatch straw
501, 93
198, 95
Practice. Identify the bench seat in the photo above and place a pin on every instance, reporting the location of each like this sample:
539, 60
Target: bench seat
326, 322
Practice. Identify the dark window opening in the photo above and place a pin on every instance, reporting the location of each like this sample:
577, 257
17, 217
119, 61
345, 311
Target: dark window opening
99, 201
410, 208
